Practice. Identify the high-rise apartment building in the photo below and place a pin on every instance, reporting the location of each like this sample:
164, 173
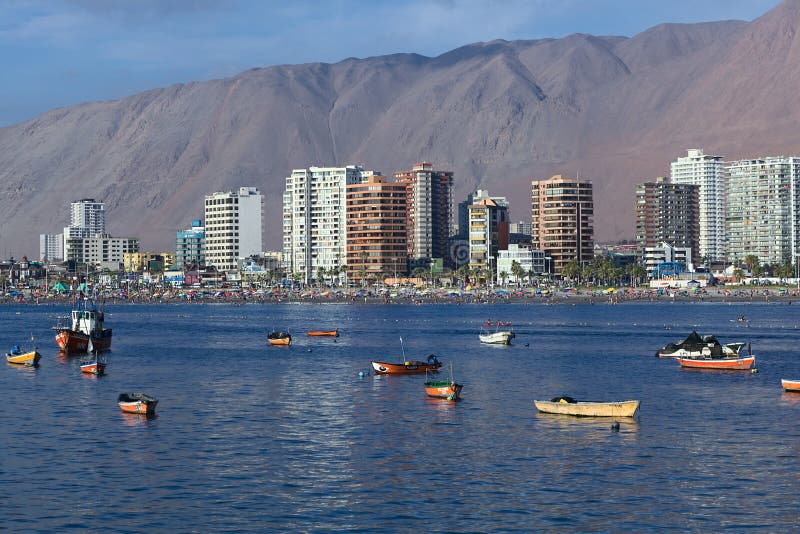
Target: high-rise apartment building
376, 229
314, 218
100, 250
190, 245
429, 201
667, 212
87, 218
562, 222
708, 173
51, 247
762, 211
232, 227
488, 230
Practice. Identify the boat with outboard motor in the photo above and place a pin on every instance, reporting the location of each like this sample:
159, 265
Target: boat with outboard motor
19, 356
696, 346
432, 363
86, 321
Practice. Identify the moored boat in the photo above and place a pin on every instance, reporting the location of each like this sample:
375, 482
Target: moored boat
697, 346
86, 321
279, 338
18, 357
95, 364
790, 385
407, 367
137, 403
498, 323
323, 333
718, 363
444, 389
502, 337
569, 406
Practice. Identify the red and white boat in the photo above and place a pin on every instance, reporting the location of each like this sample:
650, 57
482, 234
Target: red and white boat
96, 364
86, 321
790, 385
407, 367
721, 363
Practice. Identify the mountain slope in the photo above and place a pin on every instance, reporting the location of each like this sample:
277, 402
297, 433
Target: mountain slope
611, 109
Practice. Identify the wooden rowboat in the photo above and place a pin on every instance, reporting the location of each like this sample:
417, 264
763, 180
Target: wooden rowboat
279, 338
408, 367
137, 403
323, 333
588, 409
722, 363
790, 385
30, 358
443, 389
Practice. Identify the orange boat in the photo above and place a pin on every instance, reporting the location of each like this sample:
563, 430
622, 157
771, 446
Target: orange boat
444, 389
790, 385
407, 368
279, 338
323, 333
723, 363
137, 403
86, 322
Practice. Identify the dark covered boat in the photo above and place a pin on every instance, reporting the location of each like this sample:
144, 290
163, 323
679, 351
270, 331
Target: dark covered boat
140, 403
279, 338
696, 346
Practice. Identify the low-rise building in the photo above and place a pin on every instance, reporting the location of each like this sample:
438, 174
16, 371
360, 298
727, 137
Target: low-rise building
529, 259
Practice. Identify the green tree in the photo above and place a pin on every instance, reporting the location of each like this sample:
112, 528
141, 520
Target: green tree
503, 276
571, 269
517, 272
751, 262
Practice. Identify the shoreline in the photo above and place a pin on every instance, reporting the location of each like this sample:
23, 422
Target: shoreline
572, 297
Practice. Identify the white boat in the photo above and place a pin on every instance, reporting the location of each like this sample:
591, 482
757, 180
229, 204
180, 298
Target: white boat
569, 406
502, 337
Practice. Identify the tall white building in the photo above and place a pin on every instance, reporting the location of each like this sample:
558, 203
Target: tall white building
51, 247
314, 222
762, 211
100, 250
87, 218
708, 172
232, 227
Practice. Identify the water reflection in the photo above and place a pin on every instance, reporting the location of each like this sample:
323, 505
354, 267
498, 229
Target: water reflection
137, 419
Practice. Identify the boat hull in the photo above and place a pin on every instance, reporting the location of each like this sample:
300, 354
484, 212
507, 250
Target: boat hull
137, 403
71, 341
93, 368
406, 368
589, 409
443, 390
790, 385
27, 358
497, 338
327, 333
284, 341
723, 363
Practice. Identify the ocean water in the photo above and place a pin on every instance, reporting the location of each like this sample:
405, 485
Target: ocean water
256, 438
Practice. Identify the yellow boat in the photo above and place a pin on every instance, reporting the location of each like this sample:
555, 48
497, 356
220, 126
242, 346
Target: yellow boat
568, 406
18, 357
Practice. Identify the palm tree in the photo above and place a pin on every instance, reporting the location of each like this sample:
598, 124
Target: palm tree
517, 272
752, 263
571, 269
503, 276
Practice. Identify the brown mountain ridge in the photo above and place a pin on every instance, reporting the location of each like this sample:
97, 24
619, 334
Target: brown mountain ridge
614, 110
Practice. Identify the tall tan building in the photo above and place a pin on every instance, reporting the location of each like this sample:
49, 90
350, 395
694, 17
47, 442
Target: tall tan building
563, 220
488, 230
376, 229
429, 201
667, 212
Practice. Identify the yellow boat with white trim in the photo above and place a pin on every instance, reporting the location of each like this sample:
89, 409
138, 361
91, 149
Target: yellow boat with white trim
569, 406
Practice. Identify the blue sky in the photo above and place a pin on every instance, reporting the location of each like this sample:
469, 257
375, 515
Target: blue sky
61, 52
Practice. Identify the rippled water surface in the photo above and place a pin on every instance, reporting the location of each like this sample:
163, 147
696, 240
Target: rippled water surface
251, 437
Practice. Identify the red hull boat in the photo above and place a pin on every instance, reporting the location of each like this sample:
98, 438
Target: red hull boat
86, 321
407, 368
725, 363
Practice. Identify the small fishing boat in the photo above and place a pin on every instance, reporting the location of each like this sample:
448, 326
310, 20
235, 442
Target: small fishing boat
697, 346
279, 338
95, 364
502, 337
790, 385
323, 333
444, 389
137, 403
569, 406
718, 363
18, 357
498, 323
407, 367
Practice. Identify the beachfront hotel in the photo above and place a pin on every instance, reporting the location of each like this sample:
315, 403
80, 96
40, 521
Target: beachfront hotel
667, 213
314, 218
708, 173
376, 229
232, 227
562, 220
762, 209
429, 202
488, 229
190, 245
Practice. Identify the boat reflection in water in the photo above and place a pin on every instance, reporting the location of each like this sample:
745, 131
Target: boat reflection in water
136, 419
